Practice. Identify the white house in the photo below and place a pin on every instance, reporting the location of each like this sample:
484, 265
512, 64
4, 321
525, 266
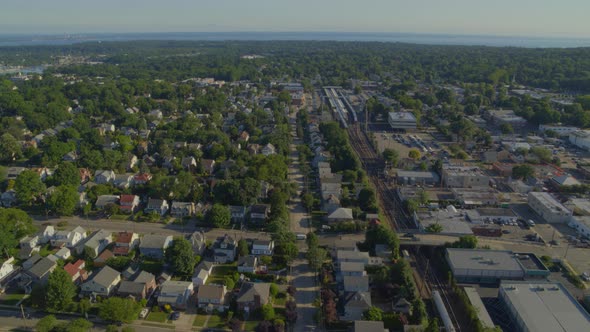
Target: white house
260, 247
104, 176
63, 253
68, 238
6, 268
268, 150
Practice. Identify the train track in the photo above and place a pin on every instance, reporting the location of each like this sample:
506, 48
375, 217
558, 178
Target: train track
374, 165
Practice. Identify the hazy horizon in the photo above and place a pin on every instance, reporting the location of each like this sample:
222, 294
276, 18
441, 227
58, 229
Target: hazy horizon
524, 18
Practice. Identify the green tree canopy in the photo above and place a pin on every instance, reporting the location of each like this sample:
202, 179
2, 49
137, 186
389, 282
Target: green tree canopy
15, 225
219, 215
46, 324
28, 186
181, 257
116, 309
60, 290
10, 148
64, 200
373, 314
523, 172
66, 174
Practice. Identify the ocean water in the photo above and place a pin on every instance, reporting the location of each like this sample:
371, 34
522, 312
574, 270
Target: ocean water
412, 38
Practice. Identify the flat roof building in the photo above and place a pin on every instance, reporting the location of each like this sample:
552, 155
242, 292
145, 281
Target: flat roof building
480, 308
415, 177
401, 120
549, 208
581, 139
543, 307
455, 176
491, 266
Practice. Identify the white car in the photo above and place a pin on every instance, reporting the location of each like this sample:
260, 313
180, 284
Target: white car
144, 312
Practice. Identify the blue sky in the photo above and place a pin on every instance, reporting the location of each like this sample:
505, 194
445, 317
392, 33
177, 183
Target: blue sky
496, 17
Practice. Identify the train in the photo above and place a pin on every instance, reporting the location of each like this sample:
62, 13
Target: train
442, 311
343, 111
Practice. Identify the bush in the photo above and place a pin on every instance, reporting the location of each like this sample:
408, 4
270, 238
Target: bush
167, 308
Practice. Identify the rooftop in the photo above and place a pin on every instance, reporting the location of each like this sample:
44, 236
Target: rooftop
545, 307
480, 308
402, 116
482, 259
548, 201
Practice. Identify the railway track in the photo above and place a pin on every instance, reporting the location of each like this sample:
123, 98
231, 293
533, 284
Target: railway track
374, 165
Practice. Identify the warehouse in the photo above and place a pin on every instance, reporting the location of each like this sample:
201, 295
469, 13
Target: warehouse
548, 208
402, 120
491, 266
543, 307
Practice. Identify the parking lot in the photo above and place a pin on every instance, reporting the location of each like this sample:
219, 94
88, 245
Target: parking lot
403, 143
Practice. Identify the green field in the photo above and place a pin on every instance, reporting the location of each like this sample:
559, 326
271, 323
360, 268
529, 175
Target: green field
159, 317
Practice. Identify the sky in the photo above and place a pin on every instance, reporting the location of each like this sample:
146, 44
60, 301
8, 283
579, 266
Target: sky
542, 18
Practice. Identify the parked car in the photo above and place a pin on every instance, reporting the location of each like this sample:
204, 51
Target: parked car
175, 315
143, 313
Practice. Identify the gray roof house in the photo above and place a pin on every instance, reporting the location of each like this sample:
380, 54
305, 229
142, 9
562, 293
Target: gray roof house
253, 296
97, 242
103, 200
247, 264
39, 273
104, 176
102, 282
340, 214
176, 293
355, 304
224, 250
154, 245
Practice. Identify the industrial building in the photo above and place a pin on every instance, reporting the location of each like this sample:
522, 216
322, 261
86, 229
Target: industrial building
416, 177
491, 266
543, 307
581, 139
581, 224
452, 221
401, 120
560, 130
500, 117
464, 177
548, 208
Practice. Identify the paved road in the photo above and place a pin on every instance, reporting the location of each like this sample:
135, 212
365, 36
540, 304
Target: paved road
307, 291
149, 228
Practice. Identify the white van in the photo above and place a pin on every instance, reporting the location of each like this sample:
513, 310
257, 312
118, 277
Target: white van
301, 236
530, 222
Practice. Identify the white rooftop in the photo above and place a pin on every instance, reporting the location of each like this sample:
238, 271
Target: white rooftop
545, 307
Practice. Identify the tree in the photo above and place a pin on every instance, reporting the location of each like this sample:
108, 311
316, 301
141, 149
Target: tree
64, 200
60, 290
28, 187
66, 174
373, 313
391, 156
414, 154
432, 325
116, 309
379, 234
180, 256
274, 290
15, 225
229, 283
367, 200
434, 228
46, 324
219, 215
316, 256
84, 306
542, 153
467, 241
243, 248
77, 325
523, 172
308, 201
267, 311
507, 129
10, 148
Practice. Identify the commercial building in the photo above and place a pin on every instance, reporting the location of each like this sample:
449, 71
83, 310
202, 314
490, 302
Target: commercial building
543, 307
491, 266
452, 221
548, 208
560, 130
401, 120
500, 117
581, 139
415, 177
581, 224
480, 308
464, 177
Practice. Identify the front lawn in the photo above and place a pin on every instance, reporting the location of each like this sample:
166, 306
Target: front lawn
151, 266
11, 299
220, 272
159, 317
250, 325
280, 299
216, 322
200, 320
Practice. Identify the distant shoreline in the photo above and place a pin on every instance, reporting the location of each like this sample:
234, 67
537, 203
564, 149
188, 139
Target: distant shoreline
8, 40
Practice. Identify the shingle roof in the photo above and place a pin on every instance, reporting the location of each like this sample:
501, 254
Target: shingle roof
211, 291
106, 276
249, 290
42, 267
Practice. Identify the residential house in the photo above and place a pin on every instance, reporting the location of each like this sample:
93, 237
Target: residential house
104, 176
85, 175
125, 242
353, 256
139, 288
69, 239
104, 128
331, 204
340, 214
188, 163
39, 273
25, 252
131, 161
355, 283
63, 253
6, 269
31, 261
197, 240
102, 283
355, 304
247, 264
263, 247
45, 234
268, 150
211, 297
71, 156
101, 260
159, 206
154, 245
13, 172
259, 213
252, 296
238, 213
244, 136
253, 148
8, 198
202, 273
123, 181
95, 243
76, 270
176, 293
129, 203
141, 178
103, 200
402, 306
182, 209
208, 165
29, 241
350, 269
224, 249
